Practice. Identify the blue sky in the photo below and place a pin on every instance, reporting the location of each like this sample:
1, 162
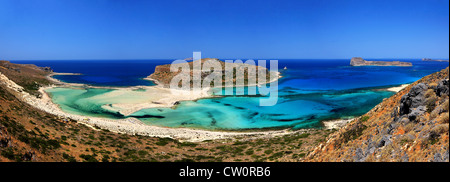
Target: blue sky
245, 29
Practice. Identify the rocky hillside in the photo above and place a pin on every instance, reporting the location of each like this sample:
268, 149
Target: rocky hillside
412, 125
163, 76
29, 76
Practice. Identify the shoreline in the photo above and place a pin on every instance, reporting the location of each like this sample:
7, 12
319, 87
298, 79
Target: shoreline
337, 123
398, 88
134, 126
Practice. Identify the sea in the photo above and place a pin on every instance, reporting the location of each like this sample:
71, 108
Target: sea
310, 91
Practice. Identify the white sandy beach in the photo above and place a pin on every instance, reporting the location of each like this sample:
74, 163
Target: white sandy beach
398, 88
336, 124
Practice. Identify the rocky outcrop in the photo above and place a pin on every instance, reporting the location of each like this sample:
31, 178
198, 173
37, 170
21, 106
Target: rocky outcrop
357, 61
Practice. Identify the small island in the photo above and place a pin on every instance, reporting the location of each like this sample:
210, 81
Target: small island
358, 61
162, 75
437, 60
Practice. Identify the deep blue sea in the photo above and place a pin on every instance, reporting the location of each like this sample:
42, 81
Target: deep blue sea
309, 92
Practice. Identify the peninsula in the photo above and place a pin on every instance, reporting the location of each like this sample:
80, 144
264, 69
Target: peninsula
358, 61
162, 75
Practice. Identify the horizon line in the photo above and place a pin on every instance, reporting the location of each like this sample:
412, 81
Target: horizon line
87, 59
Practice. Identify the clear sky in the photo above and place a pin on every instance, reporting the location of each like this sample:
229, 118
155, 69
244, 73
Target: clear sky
245, 29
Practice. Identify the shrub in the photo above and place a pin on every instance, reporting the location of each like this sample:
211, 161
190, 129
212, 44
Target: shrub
304, 135
142, 153
430, 103
164, 141
105, 158
276, 155
302, 155
69, 158
445, 106
354, 132
88, 158
410, 126
364, 118
269, 151
439, 129
249, 152
8, 153
444, 118
187, 144
429, 93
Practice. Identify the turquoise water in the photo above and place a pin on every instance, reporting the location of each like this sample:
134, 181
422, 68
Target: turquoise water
296, 111
79, 101
309, 92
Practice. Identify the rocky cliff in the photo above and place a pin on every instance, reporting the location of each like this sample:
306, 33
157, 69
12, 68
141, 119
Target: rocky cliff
357, 61
412, 125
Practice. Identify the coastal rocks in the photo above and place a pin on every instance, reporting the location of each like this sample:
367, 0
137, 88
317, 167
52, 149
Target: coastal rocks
358, 61
413, 99
385, 140
416, 112
442, 88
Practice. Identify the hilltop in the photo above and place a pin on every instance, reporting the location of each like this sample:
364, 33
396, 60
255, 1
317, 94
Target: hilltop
29, 76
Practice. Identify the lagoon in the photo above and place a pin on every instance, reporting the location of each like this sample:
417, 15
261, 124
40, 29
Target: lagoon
309, 92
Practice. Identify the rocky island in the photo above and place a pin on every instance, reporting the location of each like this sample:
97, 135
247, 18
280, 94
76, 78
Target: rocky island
357, 61
162, 75
438, 60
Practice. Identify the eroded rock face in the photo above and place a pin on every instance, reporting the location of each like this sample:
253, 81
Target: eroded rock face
442, 88
413, 99
416, 113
